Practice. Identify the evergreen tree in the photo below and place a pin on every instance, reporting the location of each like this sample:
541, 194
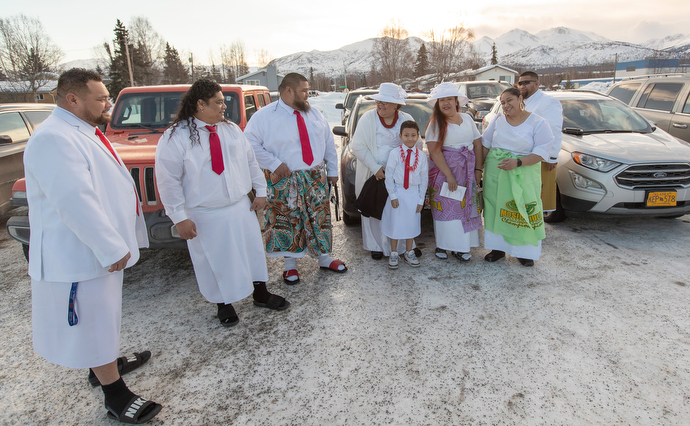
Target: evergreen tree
174, 72
312, 83
494, 55
119, 72
421, 66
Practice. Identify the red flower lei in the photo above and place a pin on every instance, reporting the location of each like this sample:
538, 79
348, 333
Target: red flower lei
395, 120
416, 157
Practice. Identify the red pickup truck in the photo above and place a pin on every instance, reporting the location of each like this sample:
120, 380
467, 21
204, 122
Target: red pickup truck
139, 117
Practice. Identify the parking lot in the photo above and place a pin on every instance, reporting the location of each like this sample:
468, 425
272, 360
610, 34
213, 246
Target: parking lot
595, 333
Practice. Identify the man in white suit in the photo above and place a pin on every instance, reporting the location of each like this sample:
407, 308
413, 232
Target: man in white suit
86, 227
550, 109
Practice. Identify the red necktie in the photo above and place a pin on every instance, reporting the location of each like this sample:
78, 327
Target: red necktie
106, 142
307, 155
216, 153
406, 183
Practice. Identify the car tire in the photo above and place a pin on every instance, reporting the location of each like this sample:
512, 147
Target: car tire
557, 215
25, 249
349, 220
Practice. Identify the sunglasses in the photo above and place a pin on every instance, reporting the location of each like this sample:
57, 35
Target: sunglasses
525, 82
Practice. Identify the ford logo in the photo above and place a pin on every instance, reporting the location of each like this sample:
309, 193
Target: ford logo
660, 175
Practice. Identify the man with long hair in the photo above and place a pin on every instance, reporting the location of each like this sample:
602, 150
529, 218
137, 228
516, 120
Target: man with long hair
86, 228
205, 168
294, 145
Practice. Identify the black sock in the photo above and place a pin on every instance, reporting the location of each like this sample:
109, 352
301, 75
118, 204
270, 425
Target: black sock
261, 293
117, 395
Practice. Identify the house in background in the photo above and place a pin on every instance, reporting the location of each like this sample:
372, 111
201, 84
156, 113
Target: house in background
490, 72
651, 67
268, 77
19, 91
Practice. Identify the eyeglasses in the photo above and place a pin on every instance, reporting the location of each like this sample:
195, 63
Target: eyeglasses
525, 82
382, 103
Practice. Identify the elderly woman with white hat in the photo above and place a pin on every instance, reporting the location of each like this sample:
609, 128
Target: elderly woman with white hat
376, 135
455, 148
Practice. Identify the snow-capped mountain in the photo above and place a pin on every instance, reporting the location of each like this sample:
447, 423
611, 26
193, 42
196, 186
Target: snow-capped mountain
555, 47
354, 58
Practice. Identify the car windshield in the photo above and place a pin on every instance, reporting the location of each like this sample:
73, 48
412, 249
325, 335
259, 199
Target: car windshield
601, 116
158, 109
484, 90
352, 97
420, 112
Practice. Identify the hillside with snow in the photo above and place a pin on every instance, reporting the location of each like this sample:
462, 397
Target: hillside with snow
555, 47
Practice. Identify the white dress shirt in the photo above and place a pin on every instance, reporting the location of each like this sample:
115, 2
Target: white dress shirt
273, 133
184, 175
395, 172
532, 136
550, 109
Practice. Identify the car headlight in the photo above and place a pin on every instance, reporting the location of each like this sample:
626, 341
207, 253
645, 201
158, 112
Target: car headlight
594, 163
584, 183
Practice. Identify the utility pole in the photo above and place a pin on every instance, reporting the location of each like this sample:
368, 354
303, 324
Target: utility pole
129, 63
615, 65
191, 60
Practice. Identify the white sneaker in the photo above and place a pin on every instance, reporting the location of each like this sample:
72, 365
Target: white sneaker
411, 259
393, 260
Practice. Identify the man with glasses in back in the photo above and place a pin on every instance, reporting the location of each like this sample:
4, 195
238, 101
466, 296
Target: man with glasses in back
550, 109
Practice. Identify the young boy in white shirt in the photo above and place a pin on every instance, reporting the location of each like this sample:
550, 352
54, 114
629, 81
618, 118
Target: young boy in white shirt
407, 176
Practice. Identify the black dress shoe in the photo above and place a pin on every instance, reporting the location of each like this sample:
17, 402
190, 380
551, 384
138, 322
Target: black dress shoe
495, 255
526, 262
377, 255
417, 252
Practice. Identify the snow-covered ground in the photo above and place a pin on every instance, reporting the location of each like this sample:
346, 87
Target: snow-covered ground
595, 333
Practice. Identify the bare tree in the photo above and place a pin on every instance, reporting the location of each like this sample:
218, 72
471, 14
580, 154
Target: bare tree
392, 51
27, 54
447, 49
150, 47
234, 57
263, 58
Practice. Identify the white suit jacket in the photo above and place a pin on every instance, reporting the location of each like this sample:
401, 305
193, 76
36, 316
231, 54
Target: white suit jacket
550, 109
82, 203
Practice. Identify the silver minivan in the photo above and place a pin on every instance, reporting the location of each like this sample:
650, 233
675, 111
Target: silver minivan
663, 100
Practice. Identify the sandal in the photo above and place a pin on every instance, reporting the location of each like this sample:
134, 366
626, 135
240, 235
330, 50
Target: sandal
335, 265
526, 262
290, 273
125, 364
495, 255
138, 410
274, 302
227, 315
463, 257
440, 253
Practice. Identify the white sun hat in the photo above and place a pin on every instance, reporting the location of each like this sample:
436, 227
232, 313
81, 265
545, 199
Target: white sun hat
390, 92
446, 90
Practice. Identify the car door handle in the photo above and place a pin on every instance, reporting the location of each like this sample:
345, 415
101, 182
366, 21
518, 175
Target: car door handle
680, 126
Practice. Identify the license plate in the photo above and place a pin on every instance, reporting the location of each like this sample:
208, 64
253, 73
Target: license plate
661, 199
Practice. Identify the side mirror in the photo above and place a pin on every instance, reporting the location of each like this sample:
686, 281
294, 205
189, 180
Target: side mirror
339, 106
5, 140
339, 131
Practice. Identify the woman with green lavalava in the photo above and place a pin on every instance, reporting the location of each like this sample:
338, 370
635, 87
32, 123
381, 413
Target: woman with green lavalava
514, 145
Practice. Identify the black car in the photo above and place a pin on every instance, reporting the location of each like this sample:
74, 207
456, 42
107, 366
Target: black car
17, 123
416, 106
482, 96
350, 99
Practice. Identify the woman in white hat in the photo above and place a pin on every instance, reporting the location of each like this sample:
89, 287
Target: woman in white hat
455, 148
376, 135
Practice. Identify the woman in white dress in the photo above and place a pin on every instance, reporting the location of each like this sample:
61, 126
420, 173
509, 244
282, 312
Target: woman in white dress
376, 135
515, 144
455, 148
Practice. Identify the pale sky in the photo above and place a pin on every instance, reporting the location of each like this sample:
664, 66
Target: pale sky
77, 26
